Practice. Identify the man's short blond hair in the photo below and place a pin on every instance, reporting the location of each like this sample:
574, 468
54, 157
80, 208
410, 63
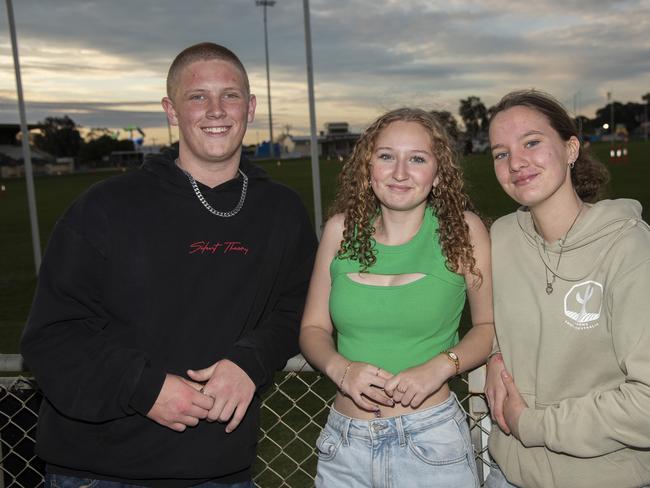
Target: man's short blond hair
204, 51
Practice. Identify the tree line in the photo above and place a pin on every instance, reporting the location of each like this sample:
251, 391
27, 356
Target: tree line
60, 136
475, 115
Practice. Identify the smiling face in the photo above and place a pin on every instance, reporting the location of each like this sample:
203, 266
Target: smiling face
403, 168
531, 161
211, 107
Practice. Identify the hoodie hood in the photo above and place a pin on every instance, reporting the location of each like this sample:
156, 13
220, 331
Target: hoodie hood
599, 227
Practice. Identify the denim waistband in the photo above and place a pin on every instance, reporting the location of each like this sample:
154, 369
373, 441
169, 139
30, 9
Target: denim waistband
397, 426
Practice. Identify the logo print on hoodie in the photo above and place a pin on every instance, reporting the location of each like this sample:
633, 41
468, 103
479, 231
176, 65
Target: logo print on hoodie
583, 304
220, 247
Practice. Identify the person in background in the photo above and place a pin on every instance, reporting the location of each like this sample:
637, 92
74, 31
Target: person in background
395, 263
167, 299
569, 379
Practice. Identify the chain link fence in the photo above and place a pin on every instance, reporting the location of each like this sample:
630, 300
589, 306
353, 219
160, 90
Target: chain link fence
293, 413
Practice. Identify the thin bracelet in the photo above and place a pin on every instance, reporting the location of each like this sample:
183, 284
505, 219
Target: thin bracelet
491, 355
347, 368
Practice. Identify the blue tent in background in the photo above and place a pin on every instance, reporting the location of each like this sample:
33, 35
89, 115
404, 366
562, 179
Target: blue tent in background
264, 150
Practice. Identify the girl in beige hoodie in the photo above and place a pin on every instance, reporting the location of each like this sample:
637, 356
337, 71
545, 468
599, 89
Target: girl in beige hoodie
569, 379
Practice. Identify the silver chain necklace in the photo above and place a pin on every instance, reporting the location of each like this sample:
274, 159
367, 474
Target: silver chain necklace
551, 282
209, 207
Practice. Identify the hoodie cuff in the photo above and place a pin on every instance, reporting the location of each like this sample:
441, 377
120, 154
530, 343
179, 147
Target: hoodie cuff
495, 349
147, 389
531, 427
246, 359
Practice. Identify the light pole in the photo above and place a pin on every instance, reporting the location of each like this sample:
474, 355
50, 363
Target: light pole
315, 166
264, 4
611, 116
27, 155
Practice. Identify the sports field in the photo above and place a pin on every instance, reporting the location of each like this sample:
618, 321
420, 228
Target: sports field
54, 194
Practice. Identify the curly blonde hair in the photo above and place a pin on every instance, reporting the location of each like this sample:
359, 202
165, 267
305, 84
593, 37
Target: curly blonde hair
360, 206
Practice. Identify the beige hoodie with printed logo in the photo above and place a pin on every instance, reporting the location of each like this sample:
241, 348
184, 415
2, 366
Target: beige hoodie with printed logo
581, 355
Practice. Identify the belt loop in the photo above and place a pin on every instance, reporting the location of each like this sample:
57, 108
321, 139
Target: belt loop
400, 431
345, 431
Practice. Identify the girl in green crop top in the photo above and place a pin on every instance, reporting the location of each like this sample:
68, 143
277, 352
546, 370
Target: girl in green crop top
395, 262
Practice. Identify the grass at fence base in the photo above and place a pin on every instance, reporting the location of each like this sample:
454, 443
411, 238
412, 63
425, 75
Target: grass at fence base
292, 418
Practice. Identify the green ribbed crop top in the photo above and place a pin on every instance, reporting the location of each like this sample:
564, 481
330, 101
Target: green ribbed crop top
398, 327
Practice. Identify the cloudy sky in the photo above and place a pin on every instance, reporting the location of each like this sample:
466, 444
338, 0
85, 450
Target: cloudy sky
103, 63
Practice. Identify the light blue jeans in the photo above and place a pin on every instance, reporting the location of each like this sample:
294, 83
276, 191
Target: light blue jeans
430, 448
63, 481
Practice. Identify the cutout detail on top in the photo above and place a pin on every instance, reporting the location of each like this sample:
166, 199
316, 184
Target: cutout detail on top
374, 279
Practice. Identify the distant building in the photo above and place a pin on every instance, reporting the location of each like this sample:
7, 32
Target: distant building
11, 154
298, 146
337, 128
336, 142
339, 141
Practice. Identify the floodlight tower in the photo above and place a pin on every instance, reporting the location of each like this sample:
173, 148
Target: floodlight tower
264, 4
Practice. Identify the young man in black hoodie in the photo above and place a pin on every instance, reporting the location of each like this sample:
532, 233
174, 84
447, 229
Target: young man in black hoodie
167, 299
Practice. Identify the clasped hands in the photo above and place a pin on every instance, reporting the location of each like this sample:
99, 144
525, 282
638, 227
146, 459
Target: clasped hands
370, 386
221, 392
505, 402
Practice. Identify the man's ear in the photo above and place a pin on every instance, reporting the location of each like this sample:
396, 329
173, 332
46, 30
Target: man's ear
168, 107
252, 103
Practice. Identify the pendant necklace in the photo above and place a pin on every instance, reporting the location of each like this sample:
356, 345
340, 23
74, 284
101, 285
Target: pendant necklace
550, 282
205, 203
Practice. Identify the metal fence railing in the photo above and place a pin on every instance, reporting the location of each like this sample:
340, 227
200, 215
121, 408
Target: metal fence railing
293, 413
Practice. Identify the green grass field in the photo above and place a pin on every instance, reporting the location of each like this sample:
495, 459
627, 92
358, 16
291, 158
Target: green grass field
54, 194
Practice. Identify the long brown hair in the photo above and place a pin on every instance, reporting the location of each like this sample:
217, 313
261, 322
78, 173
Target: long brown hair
360, 206
589, 177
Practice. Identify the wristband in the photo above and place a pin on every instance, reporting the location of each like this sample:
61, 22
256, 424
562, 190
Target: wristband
345, 373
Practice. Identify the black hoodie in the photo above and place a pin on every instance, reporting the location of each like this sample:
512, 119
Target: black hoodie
140, 280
